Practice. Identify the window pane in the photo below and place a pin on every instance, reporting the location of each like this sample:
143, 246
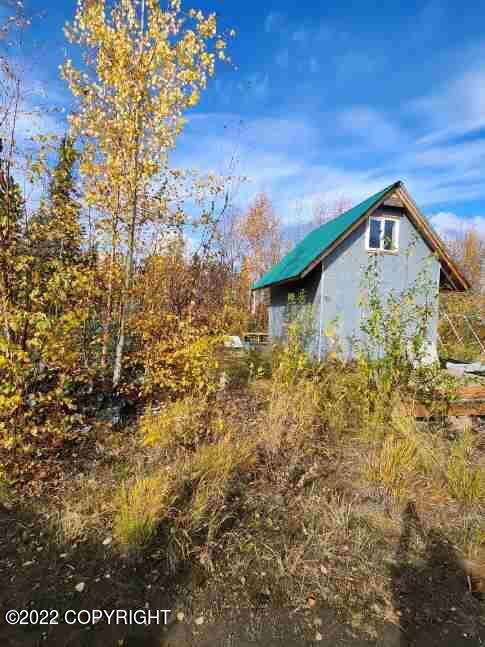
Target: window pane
375, 234
389, 234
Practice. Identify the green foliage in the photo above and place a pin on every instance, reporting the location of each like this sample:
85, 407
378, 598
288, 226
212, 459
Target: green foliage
395, 326
44, 313
292, 359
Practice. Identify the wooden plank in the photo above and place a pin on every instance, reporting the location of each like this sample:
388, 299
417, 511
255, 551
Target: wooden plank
470, 402
472, 391
458, 409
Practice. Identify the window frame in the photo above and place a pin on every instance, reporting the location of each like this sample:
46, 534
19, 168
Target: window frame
382, 219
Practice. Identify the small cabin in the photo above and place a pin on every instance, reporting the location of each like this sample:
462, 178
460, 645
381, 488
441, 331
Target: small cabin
326, 269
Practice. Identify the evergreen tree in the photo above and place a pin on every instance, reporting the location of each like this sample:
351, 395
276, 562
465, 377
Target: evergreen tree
12, 261
55, 231
63, 205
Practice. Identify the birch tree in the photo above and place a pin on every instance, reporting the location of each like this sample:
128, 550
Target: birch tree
144, 66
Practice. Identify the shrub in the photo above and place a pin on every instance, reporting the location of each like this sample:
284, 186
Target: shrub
183, 361
394, 329
346, 405
291, 360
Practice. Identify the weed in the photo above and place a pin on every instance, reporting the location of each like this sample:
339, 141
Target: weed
4, 488
190, 497
393, 463
292, 416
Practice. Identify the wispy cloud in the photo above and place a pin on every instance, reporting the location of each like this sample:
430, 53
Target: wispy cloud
449, 225
283, 156
248, 91
456, 109
366, 123
258, 85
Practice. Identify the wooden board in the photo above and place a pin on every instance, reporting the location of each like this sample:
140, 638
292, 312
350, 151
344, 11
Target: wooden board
470, 402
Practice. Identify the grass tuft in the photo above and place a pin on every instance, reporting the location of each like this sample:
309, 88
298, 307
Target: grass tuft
140, 508
180, 424
191, 497
466, 481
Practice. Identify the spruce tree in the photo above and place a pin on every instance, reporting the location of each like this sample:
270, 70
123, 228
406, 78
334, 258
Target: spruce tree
55, 231
12, 211
64, 208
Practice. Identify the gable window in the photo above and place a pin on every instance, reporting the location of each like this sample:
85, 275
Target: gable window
382, 234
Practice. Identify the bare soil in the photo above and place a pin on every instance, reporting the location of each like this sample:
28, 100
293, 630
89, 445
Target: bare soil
432, 599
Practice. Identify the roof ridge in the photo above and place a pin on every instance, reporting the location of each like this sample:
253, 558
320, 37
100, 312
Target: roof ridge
356, 206
316, 241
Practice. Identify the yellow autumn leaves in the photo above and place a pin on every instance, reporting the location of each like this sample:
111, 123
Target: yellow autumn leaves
142, 71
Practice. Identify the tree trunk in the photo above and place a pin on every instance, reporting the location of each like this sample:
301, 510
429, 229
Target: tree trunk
125, 295
109, 304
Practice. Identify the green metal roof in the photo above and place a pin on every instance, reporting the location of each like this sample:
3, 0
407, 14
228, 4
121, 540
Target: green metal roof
317, 241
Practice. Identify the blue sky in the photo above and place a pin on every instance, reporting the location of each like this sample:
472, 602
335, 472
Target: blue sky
327, 100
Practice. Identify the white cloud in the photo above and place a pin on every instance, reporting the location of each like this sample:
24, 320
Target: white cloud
283, 156
456, 109
448, 224
368, 124
467, 156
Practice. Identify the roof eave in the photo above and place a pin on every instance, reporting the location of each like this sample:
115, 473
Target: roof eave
275, 283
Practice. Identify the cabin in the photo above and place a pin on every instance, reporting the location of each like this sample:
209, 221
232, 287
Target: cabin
326, 269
